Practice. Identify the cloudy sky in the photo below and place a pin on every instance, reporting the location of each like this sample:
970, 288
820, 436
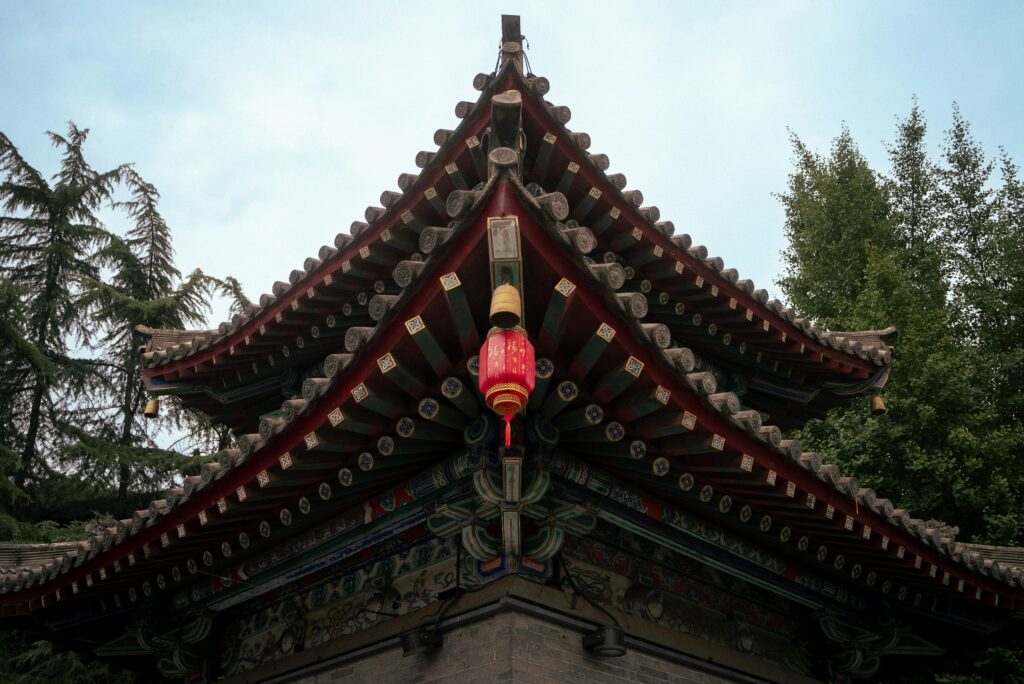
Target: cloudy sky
269, 126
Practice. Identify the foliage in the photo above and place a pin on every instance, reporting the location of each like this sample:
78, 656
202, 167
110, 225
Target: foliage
74, 297
995, 664
46, 235
32, 661
144, 289
73, 294
935, 248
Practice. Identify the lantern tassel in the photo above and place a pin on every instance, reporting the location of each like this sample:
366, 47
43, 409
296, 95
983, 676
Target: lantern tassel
508, 429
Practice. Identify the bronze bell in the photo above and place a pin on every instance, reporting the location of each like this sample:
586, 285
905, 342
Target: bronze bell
506, 306
152, 408
877, 405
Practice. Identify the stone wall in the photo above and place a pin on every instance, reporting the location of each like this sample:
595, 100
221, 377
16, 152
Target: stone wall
510, 647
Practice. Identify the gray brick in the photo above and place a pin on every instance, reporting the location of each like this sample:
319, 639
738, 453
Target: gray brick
510, 647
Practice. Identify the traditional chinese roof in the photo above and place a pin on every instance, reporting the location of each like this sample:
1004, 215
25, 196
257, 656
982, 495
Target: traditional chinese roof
165, 338
16, 558
241, 369
657, 365
988, 556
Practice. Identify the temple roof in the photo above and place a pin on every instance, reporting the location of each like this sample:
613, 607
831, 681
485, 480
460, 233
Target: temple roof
167, 338
15, 557
226, 372
1004, 556
388, 345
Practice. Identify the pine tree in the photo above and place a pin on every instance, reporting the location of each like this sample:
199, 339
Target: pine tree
19, 359
145, 288
46, 234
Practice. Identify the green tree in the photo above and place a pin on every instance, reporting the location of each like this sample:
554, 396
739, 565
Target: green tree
983, 229
19, 359
26, 660
914, 204
944, 263
890, 253
837, 217
967, 206
1008, 334
46, 234
145, 288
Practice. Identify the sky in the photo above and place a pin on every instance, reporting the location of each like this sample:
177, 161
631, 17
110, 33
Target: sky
269, 127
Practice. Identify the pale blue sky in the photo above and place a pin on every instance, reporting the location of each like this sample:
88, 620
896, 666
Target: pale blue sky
269, 127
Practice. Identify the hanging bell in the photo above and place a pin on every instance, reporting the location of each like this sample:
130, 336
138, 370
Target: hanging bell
152, 408
877, 405
506, 307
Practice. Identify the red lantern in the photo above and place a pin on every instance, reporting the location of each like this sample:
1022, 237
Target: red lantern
507, 373
507, 367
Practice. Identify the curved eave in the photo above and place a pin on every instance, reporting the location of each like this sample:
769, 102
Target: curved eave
237, 334
842, 508
848, 509
838, 352
781, 322
259, 456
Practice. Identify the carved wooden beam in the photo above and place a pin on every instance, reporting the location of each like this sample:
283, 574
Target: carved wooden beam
568, 178
378, 400
560, 113
356, 420
456, 177
639, 404
692, 443
580, 237
543, 158
432, 237
566, 393
616, 381
442, 414
625, 239
476, 153
435, 200
681, 358
602, 224
611, 275
579, 418
406, 272
506, 119
428, 345
586, 204
591, 351
545, 370
455, 391
400, 376
634, 304
598, 434
665, 423
558, 305
462, 315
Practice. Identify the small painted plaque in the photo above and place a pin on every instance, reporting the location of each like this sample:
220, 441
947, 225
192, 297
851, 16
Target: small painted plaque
503, 237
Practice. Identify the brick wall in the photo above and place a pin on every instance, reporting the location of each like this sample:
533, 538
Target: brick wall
510, 647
